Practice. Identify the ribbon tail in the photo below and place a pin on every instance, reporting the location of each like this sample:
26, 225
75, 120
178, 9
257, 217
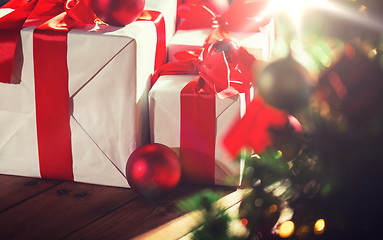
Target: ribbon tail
236, 138
253, 129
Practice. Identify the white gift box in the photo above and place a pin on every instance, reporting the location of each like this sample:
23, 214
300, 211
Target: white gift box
109, 79
260, 44
165, 123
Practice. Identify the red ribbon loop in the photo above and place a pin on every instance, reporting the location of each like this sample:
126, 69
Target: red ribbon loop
228, 72
216, 72
80, 11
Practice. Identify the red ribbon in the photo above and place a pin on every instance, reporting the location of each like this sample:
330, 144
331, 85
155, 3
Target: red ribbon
253, 129
216, 77
242, 16
10, 26
159, 23
51, 72
52, 97
198, 131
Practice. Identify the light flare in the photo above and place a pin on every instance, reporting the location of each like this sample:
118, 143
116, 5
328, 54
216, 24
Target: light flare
296, 8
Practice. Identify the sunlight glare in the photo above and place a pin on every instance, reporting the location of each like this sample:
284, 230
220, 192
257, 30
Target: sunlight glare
295, 9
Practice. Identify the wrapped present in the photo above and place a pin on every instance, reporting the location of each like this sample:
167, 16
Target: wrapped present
193, 104
81, 119
243, 22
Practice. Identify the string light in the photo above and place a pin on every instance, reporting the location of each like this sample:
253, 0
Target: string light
372, 53
273, 208
286, 229
244, 221
319, 226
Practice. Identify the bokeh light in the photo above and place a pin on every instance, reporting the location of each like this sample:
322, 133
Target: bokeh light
244, 221
319, 226
286, 229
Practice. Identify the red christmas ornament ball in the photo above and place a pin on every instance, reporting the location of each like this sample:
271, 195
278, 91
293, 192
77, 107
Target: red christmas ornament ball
118, 12
228, 46
152, 170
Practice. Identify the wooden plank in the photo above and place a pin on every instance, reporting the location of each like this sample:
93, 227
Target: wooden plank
15, 189
181, 227
137, 217
133, 218
61, 210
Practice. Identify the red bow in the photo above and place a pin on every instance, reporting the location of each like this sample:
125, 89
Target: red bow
217, 72
242, 16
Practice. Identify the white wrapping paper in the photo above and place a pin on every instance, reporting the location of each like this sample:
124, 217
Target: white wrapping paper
164, 105
109, 78
259, 44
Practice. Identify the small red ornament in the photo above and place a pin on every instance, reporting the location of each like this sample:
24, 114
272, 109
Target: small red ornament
153, 170
118, 12
228, 46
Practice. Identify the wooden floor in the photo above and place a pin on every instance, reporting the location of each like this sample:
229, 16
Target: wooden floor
46, 209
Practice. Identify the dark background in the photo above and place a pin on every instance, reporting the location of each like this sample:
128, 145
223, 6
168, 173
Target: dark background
2, 2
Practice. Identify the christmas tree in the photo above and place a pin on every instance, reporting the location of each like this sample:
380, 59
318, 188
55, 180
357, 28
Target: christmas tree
315, 129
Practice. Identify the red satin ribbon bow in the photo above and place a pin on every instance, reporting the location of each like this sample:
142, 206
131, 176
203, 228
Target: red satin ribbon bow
225, 74
242, 16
